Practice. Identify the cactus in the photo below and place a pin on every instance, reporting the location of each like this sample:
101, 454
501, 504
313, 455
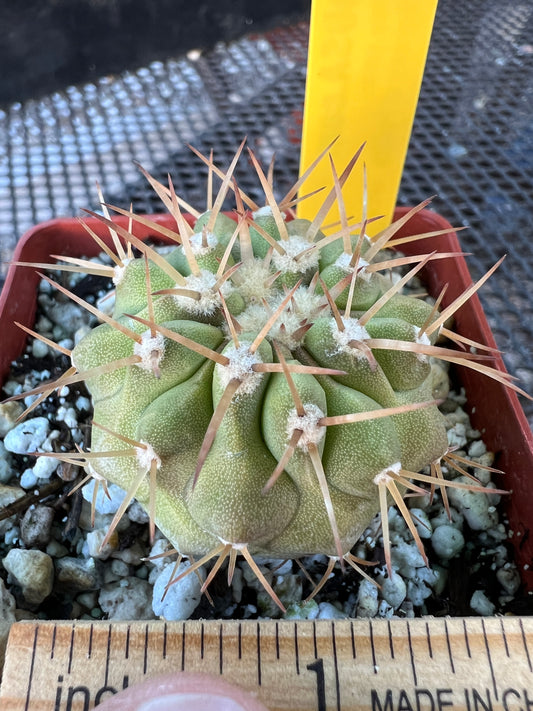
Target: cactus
263, 389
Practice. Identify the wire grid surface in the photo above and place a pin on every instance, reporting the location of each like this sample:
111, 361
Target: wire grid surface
472, 141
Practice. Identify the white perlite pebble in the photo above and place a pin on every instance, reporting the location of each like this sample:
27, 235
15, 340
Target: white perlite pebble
39, 349
160, 546
457, 435
28, 480
44, 467
481, 604
447, 541
94, 544
27, 436
182, 598
130, 600
327, 611
422, 523
477, 508
104, 505
509, 579
393, 590
5, 465
33, 571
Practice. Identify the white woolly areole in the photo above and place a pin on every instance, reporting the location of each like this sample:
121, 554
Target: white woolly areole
265, 211
93, 473
197, 240
240, 367
118, 271
353, 331
151, 350
209, 300
384, 475
235, 546
304, 308
294, 246
251, 280
423, 340
343, 262
312, 432
146, 455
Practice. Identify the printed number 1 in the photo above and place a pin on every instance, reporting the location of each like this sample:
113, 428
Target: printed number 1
318, 667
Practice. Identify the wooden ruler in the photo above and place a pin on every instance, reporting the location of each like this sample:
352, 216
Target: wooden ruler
435, 664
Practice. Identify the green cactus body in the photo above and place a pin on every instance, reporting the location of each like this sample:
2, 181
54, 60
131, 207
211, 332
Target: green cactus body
168, 408
262, 389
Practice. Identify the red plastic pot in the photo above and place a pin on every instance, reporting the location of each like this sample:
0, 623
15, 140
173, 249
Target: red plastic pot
494, 409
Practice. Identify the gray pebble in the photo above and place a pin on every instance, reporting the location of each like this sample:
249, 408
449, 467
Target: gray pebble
77, 574
7, 604
367, 599
36, 526
9, 411
33, 571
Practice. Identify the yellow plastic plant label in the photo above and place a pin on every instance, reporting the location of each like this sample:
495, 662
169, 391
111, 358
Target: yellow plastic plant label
365, 67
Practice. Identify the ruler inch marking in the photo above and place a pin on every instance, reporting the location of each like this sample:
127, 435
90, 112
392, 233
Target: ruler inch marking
467, 643
352, 634
127, 649
107, 656
372, 648
71, 650
428, 638
258, 635
504, 636
53, 642
449, 645
524, 642
145, 655
391, 642
183, 646
296, 650
90, 649
411, 654
32, 665
336, 665
490, 661
220, 651
489, 657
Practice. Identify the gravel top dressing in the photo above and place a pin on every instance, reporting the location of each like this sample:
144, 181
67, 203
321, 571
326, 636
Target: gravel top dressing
54, 565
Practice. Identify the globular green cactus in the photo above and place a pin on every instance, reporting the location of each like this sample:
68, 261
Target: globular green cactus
263, 389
